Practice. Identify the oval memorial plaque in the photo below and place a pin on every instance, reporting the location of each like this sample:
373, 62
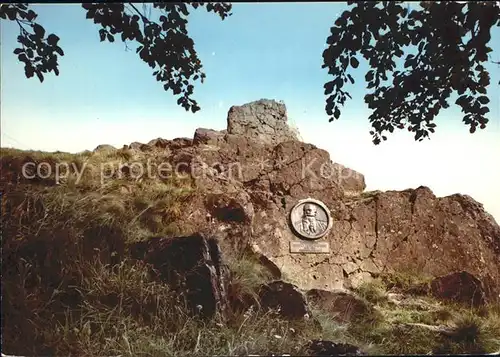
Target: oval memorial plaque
310, 219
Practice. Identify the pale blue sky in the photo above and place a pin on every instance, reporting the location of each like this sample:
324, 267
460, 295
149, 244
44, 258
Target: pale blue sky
268, 50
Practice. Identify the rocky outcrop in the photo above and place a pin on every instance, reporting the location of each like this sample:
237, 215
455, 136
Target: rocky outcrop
191, 265
460, 287
249, 177
386, 232
263, 120
351, 181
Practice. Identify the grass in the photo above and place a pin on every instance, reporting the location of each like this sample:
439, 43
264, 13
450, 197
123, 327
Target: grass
373, 291
405, 280
69, 287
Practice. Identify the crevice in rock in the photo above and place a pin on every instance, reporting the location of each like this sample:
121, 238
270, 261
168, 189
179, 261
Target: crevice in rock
413, 198
283, 202
376, 222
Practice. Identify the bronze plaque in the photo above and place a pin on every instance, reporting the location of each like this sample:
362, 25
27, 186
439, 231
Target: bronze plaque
310, 219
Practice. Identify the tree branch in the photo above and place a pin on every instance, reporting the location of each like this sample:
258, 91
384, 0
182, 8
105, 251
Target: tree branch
143, 17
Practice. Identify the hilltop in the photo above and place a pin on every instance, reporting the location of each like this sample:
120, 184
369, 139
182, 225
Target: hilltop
183, 247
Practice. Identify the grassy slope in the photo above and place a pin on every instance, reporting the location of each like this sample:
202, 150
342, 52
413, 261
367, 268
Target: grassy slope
69, 288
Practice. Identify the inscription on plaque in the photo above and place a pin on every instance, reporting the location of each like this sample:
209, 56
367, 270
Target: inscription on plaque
309, 247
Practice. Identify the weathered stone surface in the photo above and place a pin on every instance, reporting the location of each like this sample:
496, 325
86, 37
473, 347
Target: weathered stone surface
135, 145
386, 232
159, 143
208, 137
372, 232
285, 299
226, 208
350, 180
179, 143
264, 120
460, 287
329, 348
342, 306
192, 265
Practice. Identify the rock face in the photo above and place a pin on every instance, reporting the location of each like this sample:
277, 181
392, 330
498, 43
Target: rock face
264, 120
250, 177
191, 265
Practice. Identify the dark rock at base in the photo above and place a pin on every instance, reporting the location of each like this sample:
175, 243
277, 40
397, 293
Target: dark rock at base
285, 298
329, 348
193, 266
461, 287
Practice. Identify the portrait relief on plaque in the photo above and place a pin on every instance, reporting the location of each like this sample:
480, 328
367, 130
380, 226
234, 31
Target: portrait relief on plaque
310, 219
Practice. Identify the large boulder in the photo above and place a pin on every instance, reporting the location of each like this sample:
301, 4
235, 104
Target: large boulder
263, 120
350, 180
191, 265
460, 287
